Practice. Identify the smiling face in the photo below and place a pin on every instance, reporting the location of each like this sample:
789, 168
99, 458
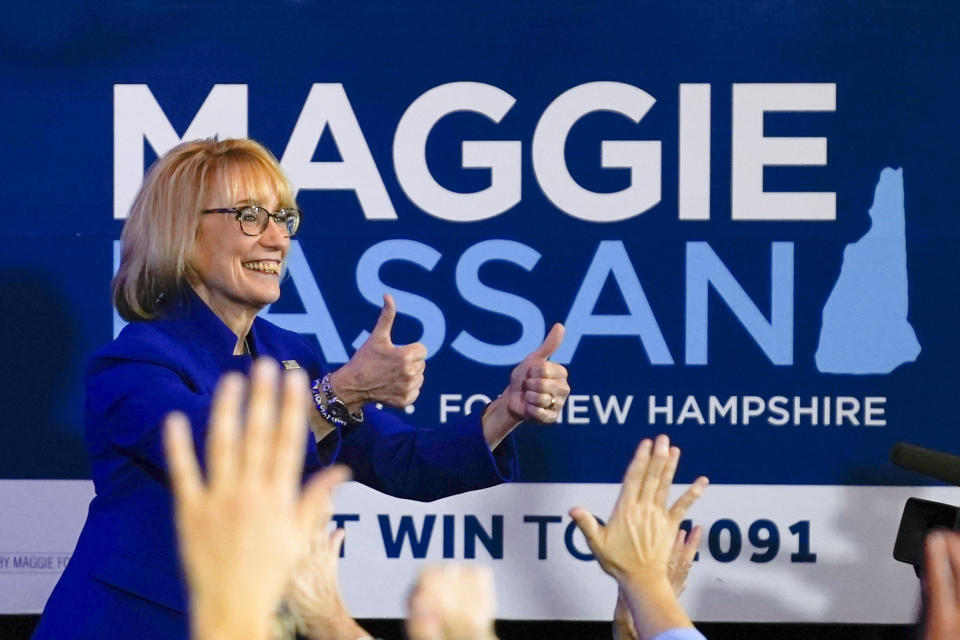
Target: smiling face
236, 274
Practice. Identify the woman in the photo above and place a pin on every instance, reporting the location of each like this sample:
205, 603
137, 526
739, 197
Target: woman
203, 252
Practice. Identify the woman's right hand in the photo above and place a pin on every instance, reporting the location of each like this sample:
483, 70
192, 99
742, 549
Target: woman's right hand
381, 371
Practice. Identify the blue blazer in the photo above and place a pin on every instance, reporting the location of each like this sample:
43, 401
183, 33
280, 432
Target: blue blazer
124, 579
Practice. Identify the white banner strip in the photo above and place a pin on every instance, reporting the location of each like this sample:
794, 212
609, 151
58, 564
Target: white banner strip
769, 553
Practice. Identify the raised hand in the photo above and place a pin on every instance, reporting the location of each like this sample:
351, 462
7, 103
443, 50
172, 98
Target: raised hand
941, 586
639, 539
681, 558
452, 602
640, 535
243, 529
381, 371
313, 596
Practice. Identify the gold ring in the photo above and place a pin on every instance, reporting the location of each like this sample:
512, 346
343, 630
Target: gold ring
553, 402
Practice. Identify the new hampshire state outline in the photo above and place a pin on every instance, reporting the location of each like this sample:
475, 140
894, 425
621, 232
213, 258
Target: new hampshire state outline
865, 328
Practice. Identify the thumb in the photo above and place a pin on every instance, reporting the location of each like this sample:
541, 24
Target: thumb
551, 343
588, 525
336, 540
385, 321
316, 502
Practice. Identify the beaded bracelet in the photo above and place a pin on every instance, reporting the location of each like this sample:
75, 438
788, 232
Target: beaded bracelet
330, 406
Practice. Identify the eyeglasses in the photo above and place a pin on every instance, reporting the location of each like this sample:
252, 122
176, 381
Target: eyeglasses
253, 219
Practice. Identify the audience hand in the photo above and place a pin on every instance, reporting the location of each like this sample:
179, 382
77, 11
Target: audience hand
636, 544
313, 597
681, 559
452, 602
623, 628
244, 528
941, 586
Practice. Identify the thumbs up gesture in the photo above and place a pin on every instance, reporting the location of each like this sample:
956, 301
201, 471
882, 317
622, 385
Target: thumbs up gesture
538, 388
381, 371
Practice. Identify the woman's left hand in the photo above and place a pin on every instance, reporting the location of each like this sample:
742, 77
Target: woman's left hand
537, 391
538, 388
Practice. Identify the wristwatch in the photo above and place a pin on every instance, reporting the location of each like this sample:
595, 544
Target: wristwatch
330, 406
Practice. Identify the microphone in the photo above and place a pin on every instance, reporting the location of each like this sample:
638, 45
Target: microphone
935, 464
922, 516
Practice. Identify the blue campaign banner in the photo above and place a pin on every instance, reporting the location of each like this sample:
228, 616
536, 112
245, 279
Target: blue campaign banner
744, 213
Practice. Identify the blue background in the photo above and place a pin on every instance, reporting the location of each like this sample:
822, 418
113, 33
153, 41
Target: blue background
894, 67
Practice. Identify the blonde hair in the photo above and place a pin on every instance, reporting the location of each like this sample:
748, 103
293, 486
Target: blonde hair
159, 234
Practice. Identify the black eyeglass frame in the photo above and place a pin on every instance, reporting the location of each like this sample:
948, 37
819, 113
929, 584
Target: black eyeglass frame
276, 217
